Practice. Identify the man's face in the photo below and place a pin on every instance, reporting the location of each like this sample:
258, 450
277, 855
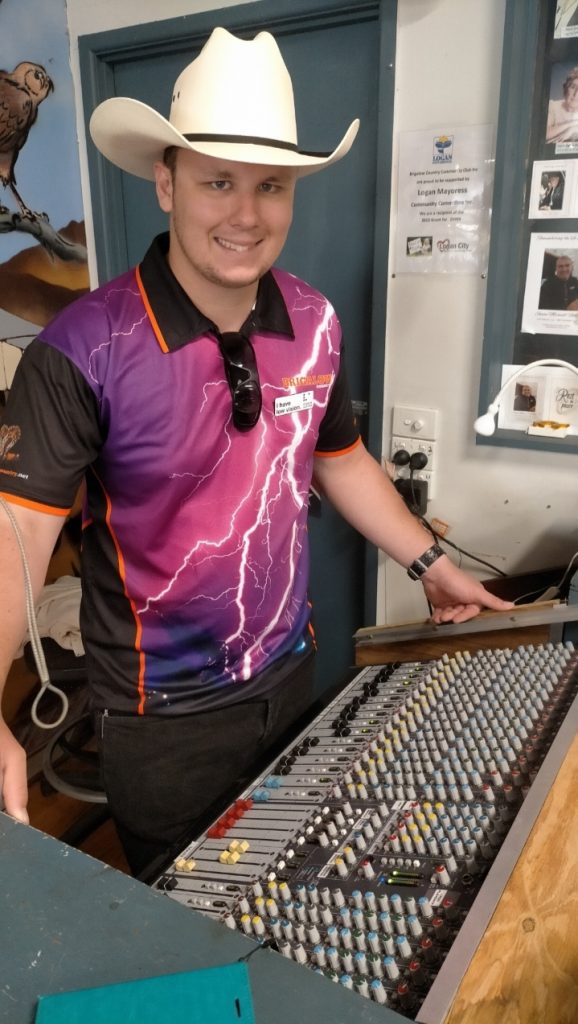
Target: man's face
563, 268
229, 220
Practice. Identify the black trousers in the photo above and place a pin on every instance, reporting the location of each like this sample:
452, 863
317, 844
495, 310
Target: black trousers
161, 774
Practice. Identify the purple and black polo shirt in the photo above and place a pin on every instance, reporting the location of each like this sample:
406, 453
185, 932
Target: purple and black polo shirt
195, 551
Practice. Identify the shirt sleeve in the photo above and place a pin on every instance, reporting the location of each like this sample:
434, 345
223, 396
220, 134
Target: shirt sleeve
338, 430
50, 432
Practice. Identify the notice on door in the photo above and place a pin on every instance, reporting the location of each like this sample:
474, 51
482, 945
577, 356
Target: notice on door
445, 183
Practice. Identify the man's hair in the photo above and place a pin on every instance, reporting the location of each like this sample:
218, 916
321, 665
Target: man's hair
170, 159
570, 77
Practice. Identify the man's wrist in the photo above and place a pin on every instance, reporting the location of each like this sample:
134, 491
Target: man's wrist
420, 565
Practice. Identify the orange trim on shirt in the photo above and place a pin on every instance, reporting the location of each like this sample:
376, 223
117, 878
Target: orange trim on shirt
342, 451
122, 573
36, 506
150, 314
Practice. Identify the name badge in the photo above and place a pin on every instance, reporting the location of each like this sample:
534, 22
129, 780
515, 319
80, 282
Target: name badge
294, 403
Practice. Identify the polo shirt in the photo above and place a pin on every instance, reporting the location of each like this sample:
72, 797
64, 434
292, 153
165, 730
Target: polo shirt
195, 554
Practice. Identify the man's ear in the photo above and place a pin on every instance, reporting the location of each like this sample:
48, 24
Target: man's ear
164, 186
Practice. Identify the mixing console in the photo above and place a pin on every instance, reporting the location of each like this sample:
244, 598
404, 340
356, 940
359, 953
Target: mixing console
361, 851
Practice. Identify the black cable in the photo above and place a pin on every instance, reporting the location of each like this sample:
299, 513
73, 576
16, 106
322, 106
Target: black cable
267, 944
438, 538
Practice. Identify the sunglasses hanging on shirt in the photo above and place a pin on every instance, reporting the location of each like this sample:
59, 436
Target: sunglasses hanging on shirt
243, 377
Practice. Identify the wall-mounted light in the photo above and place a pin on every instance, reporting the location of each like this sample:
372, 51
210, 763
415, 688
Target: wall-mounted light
486, 424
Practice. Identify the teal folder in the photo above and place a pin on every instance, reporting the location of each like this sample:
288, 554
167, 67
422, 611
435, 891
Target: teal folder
217, 995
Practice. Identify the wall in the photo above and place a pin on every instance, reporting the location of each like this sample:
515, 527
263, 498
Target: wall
515, 510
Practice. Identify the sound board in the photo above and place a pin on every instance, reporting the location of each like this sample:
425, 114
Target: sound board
374, 850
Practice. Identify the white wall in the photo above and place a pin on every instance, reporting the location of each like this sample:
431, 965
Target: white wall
518, 510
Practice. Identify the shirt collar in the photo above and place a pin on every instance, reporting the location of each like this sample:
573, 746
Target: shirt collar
175, 318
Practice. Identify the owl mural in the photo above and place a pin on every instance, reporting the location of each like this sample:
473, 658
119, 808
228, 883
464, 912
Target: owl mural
21, 93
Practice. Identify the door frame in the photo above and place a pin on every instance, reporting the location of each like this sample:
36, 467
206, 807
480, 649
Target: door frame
101, 51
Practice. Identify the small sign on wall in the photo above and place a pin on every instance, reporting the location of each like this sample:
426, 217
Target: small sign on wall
444, 194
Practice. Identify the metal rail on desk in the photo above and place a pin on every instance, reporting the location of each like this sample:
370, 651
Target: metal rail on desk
524, 616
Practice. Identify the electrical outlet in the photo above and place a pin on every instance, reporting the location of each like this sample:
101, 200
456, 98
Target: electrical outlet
413, 445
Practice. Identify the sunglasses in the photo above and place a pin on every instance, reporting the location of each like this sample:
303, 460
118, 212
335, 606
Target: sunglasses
243, 377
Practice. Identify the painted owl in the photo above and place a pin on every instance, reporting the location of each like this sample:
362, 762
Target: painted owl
21, 93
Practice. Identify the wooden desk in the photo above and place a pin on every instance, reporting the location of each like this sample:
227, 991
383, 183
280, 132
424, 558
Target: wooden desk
525, 970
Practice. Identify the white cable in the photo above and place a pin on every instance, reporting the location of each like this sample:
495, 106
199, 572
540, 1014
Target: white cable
35, 641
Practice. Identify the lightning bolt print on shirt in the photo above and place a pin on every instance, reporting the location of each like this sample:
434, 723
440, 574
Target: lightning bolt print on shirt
195, 551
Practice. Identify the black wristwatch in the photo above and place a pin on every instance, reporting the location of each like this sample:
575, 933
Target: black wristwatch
421, 565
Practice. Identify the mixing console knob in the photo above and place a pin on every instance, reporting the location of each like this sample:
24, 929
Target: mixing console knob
341, 867
345, 916
346, 980
416, 973
391, 968
332, 956
378, 993
300, 954
360, 961
326, 916
300, 910
325, 895
319, 955
440, 928
347, 960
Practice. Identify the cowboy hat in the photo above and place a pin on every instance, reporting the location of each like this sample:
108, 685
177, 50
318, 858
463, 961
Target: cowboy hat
234, 102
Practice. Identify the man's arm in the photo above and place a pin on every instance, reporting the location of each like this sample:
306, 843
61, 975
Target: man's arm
365, 496
39, 533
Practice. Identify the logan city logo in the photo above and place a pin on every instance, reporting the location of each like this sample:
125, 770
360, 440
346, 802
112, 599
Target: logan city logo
444, 245
443, 146
9, 436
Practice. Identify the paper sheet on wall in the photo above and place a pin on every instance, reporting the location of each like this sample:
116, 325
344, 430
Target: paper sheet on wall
444, 191
551, 293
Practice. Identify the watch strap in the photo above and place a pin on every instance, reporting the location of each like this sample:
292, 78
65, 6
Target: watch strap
421, 565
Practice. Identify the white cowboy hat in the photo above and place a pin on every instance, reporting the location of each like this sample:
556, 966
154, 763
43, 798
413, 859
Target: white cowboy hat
234, 101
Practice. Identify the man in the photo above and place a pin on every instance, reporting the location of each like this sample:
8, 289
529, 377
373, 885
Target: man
525, 400
199, 393
560, 291
553, 193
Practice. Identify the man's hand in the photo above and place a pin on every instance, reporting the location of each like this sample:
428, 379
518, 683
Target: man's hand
455, 596
13, 779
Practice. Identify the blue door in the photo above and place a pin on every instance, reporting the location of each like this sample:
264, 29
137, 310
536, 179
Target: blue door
337, 54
